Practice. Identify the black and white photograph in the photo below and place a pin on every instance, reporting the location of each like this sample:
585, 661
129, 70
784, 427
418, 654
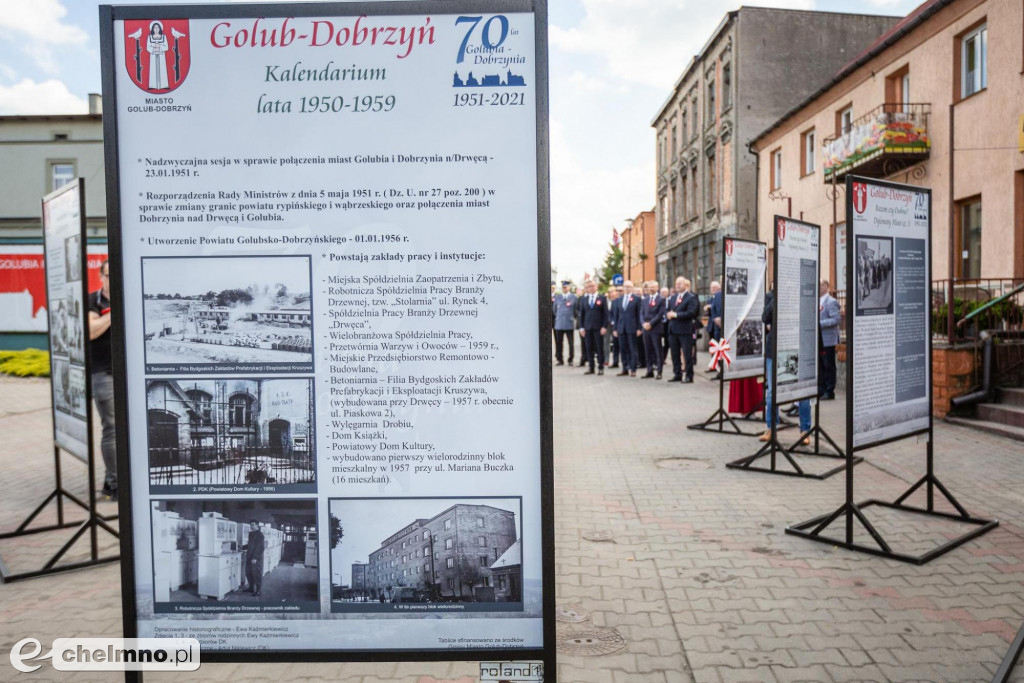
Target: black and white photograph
58, 323
736, 281
74, 334
68, 387
213, 435
874, 276
749, 338
412, 556
236, 555
251, 313
73, 258
789, 365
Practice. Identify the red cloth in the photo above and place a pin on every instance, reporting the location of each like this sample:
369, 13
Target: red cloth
745, 395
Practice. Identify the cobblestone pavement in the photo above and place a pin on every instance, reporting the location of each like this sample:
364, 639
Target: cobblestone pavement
662, 553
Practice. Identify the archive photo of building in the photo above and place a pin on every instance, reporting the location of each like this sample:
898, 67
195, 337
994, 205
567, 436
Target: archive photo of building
230, 432
241, 312
438, 554
237, 555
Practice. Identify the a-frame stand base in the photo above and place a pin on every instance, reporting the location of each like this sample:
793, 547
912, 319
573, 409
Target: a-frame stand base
773, 447
812, 529
92, 523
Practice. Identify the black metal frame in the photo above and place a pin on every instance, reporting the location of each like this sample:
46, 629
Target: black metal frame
109, 43
93, 519
812, 529
1009, 662
773, 446
721, 416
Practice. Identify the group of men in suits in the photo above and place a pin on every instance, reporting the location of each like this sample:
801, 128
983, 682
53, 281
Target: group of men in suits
632, 324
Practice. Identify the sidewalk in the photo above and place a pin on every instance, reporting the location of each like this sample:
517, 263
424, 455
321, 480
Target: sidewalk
675, 566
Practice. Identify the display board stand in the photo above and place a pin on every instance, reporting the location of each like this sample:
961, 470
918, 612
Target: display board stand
717, 421
850, 511
1009, 662
93, 521
734, 248
773, 447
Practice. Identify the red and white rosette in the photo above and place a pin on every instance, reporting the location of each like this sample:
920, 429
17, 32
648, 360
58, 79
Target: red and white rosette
719, 353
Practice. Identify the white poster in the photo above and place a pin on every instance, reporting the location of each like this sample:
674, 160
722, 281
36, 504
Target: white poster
889, 286
742, 304
65, 267
797, 273
329, 228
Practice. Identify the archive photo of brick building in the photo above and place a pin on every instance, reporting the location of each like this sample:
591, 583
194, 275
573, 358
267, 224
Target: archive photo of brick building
456, 551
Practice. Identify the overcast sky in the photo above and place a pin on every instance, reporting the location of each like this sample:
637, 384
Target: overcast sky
613, 63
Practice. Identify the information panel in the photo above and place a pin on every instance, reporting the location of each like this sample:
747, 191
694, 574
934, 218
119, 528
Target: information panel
332, 234
889, 276
797, 273
64, 254
743, 278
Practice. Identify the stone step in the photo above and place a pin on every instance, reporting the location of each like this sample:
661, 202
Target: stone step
1008, 431
1011, 397
1003, 414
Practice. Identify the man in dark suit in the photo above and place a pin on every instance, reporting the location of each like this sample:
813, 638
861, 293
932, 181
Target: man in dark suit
627, 328
578, 312
594, 324
652, 312
254, 558
714, 311
611, 342
683, 309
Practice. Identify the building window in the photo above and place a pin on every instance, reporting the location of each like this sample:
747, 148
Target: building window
712, 183
974, 61
674, 150
970, 239
726, 86
447, 524
684, 205
897, 91
776, 170
695, 127
203, 403
479, 522
844, 120
238, 408
450, 563
483, 561
61, 174
448, 544
451, 584
675, 208
693, 192
426, 535
807, 153
482, 541
664, 215
683, 124
711, 103
426, 551
501, 583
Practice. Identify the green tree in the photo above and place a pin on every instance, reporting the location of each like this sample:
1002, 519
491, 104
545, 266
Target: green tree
611, 267
337, 533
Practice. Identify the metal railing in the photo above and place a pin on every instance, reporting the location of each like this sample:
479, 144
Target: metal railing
968, 296
889, 128
206, 465
978, 304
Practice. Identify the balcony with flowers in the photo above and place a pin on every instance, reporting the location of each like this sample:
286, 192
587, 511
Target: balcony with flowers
884, 141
